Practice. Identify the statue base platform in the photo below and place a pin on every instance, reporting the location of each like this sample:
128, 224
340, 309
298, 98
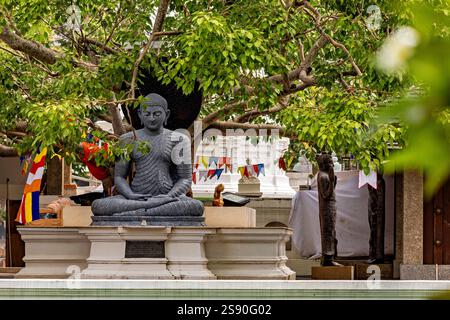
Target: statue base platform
167, 221
332, 273
364, 270
155, 252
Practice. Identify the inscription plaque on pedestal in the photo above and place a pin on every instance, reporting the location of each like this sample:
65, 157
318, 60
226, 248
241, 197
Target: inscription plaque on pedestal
145, 249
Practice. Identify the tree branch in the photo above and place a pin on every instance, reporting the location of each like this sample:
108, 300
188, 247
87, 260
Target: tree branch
6, 151
28, 47
343, 48
316, 18
116, 120
157, 26
210, 118
256, 113
100, 45
37, 50
91, 124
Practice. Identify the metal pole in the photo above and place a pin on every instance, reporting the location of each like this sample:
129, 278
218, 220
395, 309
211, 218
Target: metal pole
8, 223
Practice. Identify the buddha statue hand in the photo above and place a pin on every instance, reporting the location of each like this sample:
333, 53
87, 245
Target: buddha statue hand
137, 196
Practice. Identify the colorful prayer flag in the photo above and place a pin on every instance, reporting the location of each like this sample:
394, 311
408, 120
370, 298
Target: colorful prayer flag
246, 172
211, 173
250, 170
29, 208
213, 160
222, 161
282, 164
25, 162
241, 171
218, 173
256, 169
194, 177
202, 174
261, 168
204, 160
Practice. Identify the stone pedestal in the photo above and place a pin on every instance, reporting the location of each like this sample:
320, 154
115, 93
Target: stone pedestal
108, 259
363, 271
332, 273
199, 253
185, 251
230, 217
53, 252
256, 253
136, 220
76, 216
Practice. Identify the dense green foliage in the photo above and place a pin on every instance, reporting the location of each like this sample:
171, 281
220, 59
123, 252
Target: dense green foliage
310, 67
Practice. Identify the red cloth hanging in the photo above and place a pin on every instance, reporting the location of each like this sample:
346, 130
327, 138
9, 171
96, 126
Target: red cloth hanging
99, 173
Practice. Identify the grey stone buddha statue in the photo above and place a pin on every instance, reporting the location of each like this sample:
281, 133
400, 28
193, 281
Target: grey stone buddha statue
163, 176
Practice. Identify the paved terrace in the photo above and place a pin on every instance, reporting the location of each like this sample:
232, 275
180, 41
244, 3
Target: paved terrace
221, 289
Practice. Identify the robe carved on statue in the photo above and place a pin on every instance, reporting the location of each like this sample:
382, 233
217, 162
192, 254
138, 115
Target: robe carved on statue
326, 182
157, 194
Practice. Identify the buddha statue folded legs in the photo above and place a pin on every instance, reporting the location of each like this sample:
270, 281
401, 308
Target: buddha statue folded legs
162, 178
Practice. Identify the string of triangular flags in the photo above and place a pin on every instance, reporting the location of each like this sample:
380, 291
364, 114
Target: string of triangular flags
251, 170
203, 175
280, 163
205, 162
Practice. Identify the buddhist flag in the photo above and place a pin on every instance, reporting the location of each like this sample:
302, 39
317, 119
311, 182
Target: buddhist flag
261, 168
246, 172
204, 160
194, 177
25, 162
202, 175
222, 161
218, 173
282, 164
213, 160
29, 208
250, 170
241, 171
211, 173
256, 169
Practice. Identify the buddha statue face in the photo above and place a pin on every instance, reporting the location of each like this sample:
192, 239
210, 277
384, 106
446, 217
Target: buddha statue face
154, 113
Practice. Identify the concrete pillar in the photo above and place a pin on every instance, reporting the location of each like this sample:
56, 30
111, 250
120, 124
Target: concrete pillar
412, 218
409, 230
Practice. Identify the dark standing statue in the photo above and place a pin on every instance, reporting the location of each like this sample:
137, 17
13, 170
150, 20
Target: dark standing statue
326, 182
376, 220
157, 194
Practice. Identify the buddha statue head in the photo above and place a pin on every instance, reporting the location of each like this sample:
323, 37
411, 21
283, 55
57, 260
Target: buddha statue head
154, 112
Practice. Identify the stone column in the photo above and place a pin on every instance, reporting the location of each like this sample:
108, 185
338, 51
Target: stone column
409, 230
53, 252
185, 250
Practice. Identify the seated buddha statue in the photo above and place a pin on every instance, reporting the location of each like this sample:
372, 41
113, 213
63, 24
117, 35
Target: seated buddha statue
163, 176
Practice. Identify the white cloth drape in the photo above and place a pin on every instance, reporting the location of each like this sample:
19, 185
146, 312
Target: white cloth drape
352, 226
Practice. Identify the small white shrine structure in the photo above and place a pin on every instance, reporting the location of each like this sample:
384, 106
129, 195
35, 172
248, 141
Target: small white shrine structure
242, 150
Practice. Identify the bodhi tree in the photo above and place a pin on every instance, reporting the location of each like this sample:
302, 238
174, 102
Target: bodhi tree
258, 64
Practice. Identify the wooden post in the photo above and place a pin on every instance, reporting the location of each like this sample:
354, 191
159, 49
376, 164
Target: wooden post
55, 176
14, 246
